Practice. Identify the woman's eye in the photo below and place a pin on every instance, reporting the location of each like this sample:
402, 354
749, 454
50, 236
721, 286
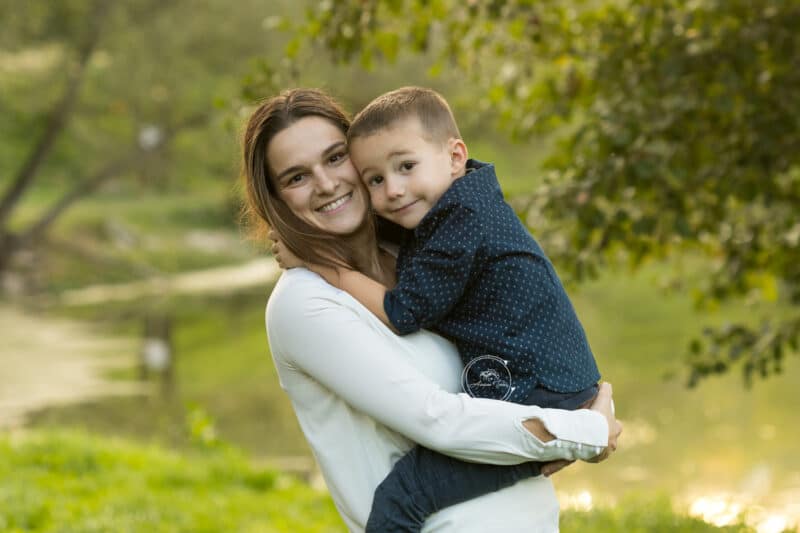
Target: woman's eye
294, 180
338, 156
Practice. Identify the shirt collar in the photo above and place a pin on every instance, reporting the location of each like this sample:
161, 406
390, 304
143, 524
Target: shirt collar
470, 190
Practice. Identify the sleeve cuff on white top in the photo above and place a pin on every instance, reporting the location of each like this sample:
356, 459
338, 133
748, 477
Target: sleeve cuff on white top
580, 434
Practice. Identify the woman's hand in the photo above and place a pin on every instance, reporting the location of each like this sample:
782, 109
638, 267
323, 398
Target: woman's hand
281, 253
604, 404
286, 260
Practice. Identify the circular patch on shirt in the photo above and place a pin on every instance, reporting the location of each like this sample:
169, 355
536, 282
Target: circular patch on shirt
487, 376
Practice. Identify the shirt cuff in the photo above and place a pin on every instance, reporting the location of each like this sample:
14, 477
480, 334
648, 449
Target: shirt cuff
399, 315
581, 434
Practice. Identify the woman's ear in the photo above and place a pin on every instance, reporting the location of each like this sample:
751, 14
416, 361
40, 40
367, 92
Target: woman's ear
458, 157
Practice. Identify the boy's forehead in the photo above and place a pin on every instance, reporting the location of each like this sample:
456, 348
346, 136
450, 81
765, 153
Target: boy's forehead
410, 125
397, 136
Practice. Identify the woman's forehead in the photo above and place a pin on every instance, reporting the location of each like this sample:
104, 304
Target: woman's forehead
302, 143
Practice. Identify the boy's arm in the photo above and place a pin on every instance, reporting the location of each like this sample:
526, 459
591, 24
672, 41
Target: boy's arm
365, 290
435, 277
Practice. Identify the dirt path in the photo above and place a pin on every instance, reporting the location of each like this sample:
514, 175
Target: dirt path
223, 279
46, 362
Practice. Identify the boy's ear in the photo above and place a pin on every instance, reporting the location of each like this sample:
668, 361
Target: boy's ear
458, 157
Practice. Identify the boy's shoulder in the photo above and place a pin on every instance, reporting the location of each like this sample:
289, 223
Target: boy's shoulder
474, 189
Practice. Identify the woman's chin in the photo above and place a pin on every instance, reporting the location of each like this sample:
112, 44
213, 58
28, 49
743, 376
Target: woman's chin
343, 225
348, 221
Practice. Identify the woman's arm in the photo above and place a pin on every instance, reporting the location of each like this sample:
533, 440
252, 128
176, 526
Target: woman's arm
337, 342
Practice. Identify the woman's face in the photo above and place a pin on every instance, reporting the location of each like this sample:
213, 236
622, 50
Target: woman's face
313, 175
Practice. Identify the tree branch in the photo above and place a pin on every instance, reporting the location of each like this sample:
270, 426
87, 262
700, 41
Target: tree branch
81, 189
56, 121
107, 172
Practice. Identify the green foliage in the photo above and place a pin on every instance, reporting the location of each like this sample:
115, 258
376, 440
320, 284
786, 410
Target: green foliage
201, 427
688, 141
100, 93
67, 481
678, 123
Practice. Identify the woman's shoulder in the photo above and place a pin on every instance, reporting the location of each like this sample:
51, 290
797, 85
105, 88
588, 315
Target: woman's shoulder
301, 298
293, 305
296, 290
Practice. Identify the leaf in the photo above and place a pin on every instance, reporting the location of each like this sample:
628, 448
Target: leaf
389, 44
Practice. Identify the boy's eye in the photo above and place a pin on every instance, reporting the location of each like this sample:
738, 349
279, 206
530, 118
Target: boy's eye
375, 180
406, 165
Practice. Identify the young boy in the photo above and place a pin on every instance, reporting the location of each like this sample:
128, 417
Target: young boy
468, 270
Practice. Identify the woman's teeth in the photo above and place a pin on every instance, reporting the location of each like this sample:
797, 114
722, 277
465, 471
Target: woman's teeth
333, 205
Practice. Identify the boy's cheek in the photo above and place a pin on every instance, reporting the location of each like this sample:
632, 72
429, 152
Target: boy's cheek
376, 201
378, 204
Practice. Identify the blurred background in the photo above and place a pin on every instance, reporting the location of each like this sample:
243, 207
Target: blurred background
653, 148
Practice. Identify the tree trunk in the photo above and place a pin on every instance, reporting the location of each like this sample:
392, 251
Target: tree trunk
8, 246
56, 121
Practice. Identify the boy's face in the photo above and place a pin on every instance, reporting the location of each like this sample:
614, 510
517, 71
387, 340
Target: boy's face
405, 172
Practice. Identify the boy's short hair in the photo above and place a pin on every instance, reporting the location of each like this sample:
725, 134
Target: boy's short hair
428, 106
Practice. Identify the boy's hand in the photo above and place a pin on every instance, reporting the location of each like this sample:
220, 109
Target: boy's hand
604, 404
281, 253
551, 467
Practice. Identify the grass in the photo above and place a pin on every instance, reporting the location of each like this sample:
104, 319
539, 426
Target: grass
68, 481
75, 482
638, 515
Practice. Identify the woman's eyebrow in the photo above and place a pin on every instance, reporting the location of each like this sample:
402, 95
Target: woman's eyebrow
296, 168
335, 146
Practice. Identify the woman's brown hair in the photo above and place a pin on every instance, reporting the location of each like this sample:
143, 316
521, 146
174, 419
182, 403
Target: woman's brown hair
263, 208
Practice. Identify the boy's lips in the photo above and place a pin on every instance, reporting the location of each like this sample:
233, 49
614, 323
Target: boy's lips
403, 208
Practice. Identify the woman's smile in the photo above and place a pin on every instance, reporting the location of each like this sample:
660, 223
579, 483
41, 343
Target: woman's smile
336, 205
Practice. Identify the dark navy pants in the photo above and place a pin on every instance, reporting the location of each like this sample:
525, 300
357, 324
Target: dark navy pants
423, 481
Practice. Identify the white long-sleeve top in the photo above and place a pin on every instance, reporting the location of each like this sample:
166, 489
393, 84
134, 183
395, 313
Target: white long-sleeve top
363, 396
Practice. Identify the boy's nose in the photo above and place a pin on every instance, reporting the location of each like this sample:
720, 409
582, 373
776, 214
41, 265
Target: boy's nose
394, 188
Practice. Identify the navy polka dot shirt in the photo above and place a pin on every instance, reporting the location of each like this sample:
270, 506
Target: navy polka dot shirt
472, 272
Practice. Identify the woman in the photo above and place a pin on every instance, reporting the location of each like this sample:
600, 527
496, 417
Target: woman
362, 394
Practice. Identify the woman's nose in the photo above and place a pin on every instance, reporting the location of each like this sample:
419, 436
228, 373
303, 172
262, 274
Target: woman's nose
326, 183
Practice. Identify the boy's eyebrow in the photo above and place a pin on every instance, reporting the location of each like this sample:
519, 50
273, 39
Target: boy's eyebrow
291, 170
391, 155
